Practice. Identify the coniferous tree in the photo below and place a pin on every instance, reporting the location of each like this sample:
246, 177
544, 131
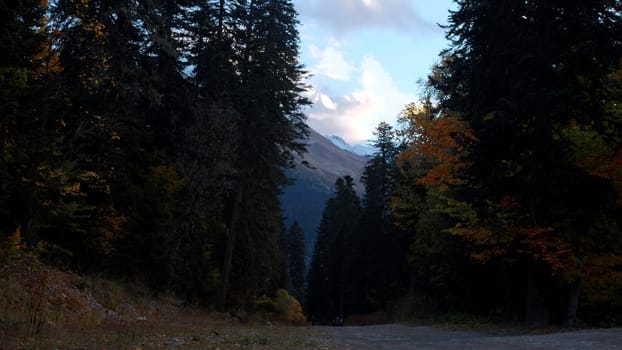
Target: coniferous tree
268, 99
27, 143
45, 187
521, 187
318, 294
296, 261
139, 137
379, 251
331, 290
98, 47
441, 273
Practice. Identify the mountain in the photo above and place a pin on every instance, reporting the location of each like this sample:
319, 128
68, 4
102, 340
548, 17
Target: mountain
313, 180
363, 149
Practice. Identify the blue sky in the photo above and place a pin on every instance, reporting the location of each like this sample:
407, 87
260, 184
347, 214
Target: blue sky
366, 57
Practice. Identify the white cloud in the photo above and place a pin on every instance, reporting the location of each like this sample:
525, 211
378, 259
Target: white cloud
354, 115
348, 15
331, 62
370, 3
327, 102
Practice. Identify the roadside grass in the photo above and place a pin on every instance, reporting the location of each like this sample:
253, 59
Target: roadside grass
44, 308
166, 336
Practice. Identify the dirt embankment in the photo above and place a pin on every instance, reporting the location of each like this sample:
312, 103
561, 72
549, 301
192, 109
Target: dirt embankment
44, 308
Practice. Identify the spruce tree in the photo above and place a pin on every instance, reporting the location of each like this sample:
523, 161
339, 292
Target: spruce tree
331, 289
296, 261
26, 140
270, 124
522, 74
380, 250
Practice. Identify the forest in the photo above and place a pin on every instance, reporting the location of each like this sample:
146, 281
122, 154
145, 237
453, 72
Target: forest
499, 194
148, 141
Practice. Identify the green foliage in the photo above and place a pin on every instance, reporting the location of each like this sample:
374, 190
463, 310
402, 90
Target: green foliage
294, 250
379, 257
438, 261
14, 77
267, 94
114, 158
330, 289
525, 173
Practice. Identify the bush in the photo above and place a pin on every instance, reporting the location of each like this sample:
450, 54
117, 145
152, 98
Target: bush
283, 308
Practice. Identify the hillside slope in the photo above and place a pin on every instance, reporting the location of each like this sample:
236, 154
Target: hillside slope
314, 177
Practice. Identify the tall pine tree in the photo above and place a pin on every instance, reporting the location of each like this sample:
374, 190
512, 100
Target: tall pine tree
520, 74
331, 290
380, 249
295, 261
268, 99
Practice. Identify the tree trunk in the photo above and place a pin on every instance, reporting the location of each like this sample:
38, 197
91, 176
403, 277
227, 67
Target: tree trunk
509, 310
573, 304
231, 235
411, 293
536, 313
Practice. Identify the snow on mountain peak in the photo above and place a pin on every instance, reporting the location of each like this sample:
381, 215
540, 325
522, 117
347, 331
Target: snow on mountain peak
362, 149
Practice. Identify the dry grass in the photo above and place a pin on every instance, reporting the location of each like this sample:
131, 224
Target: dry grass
151, 335
43, 308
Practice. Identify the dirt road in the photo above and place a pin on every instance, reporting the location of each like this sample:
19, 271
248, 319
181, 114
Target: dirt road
400, 337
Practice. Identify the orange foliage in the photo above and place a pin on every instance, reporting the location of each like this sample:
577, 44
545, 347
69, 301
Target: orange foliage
612, 170
501, 227
604, 163
596, 155
47, 58
543, 244
497, 235
48, 63
602, 278
440, 140
488, 254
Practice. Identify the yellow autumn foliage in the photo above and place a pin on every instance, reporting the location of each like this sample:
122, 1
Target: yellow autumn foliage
283, 306
15, 241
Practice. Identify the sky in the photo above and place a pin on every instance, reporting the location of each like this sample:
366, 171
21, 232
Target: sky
366, 58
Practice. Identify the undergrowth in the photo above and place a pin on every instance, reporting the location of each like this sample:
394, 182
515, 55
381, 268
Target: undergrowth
44, 308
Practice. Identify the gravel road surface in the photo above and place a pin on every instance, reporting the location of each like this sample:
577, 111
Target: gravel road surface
400, 337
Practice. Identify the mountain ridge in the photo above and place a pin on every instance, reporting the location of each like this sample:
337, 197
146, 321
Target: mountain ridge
326, 161
362, 149
313, 183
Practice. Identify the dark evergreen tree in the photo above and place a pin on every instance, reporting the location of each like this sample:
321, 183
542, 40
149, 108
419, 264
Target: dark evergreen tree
97, 99
331, 291
380, 174
149, 139
295, 261
268, 99
215, 53
154, 149
379, 253
441, 272
27, 138
522, 74
43, 191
